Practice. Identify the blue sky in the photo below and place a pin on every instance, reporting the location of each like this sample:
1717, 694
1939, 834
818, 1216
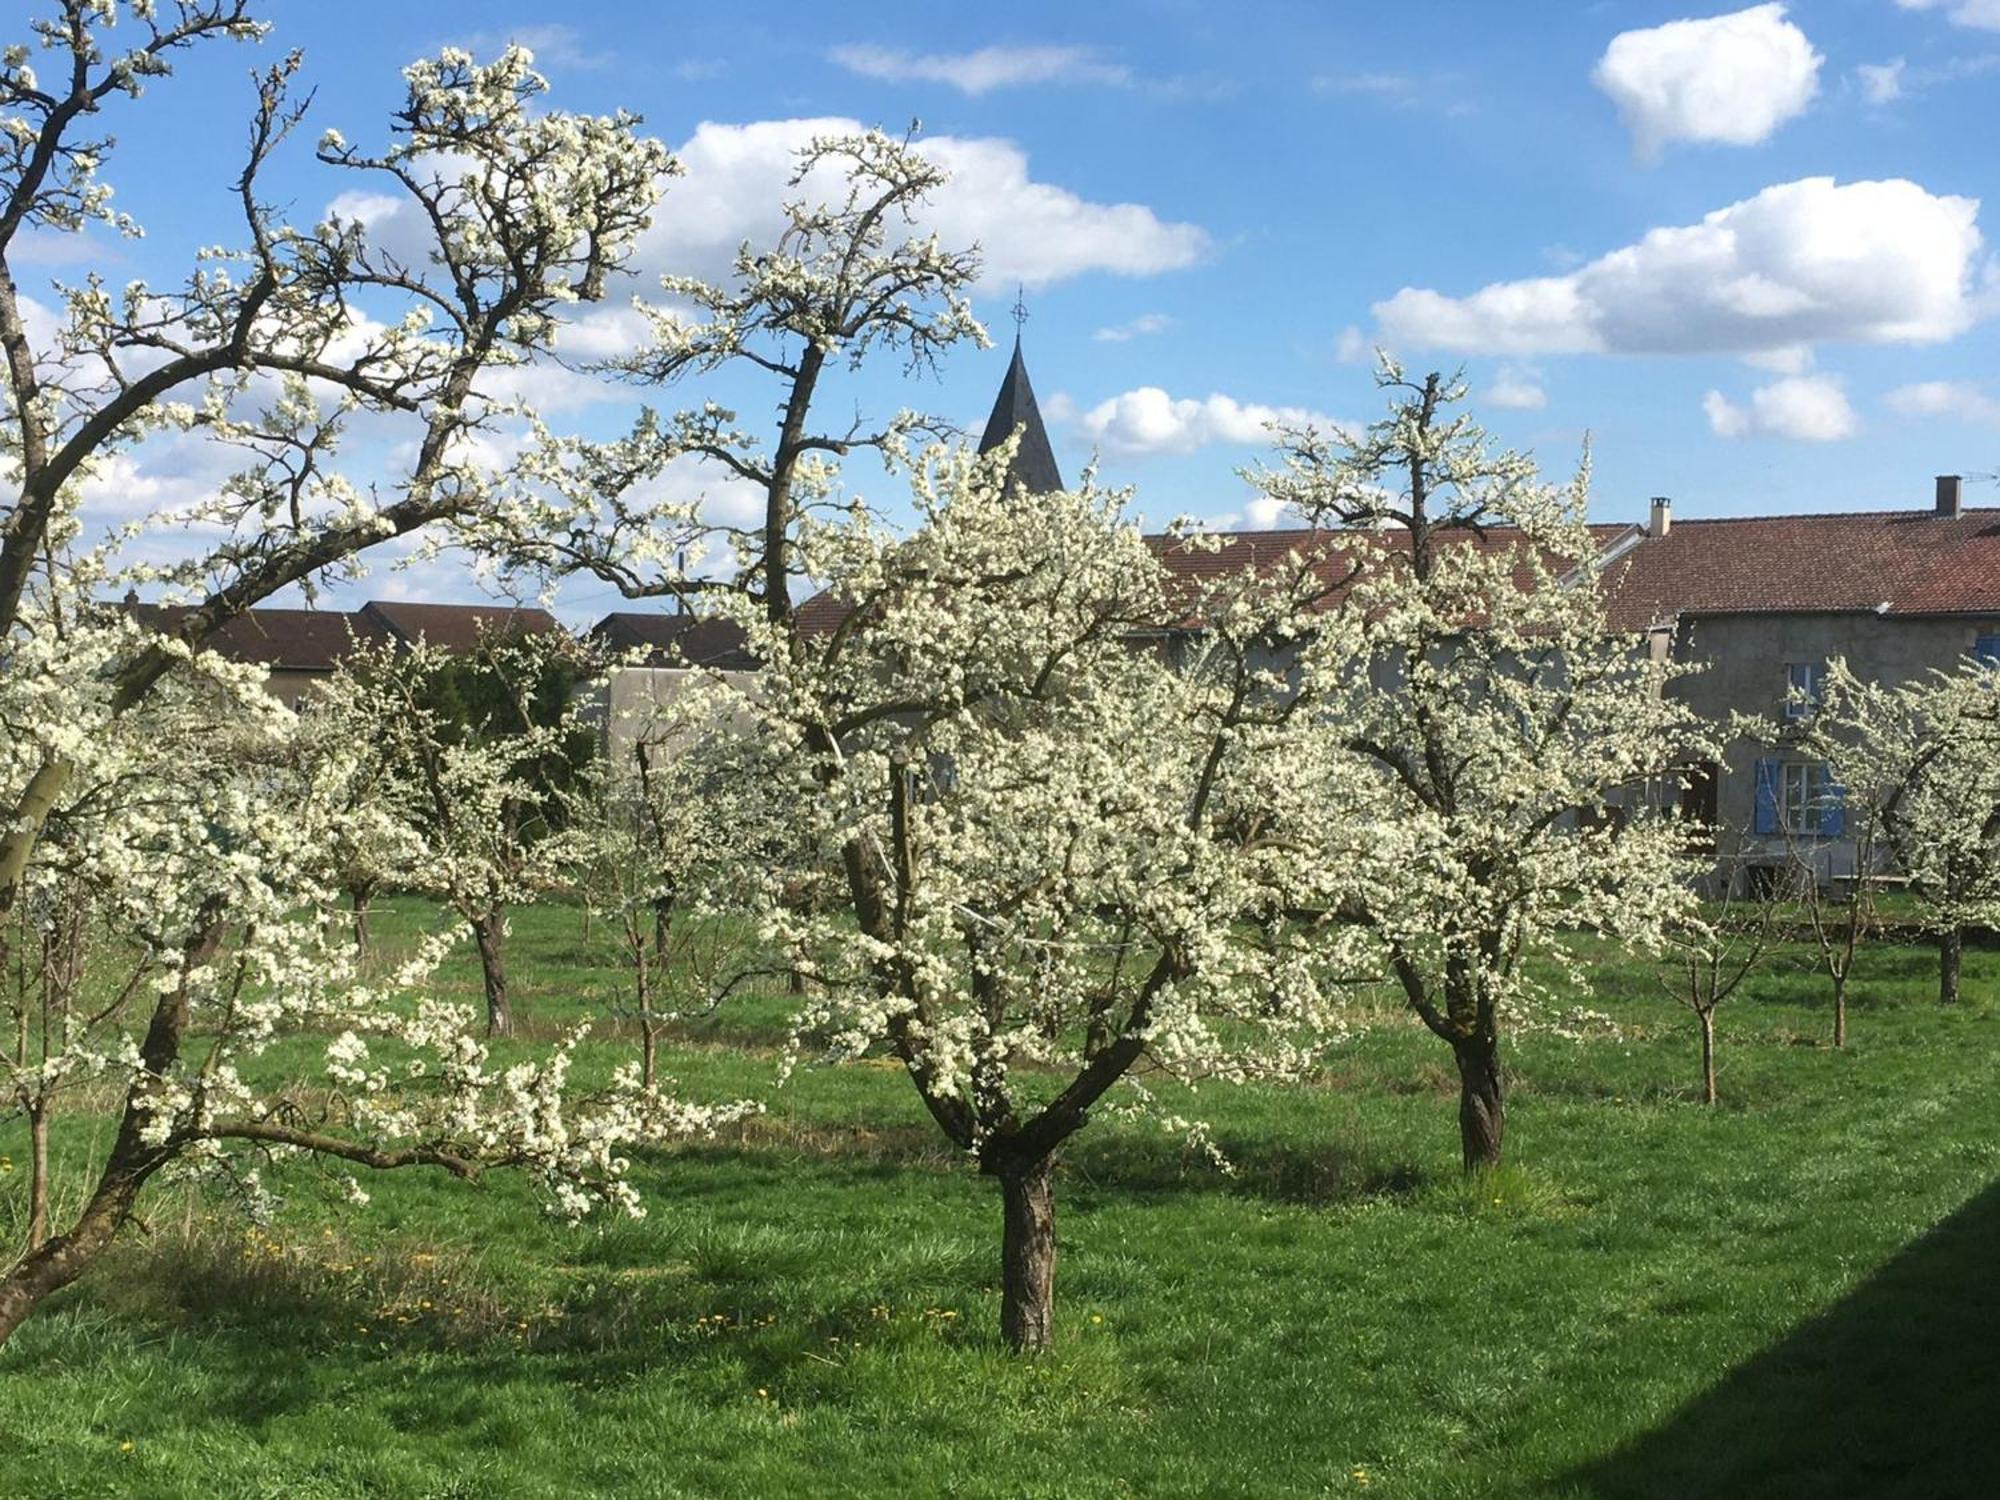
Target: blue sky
1217, 208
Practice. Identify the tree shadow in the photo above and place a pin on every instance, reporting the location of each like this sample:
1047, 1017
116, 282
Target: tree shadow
1339, 1169
1890, 1392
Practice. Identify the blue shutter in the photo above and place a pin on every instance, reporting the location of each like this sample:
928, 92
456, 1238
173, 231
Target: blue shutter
1832, 805
1986, 650
1764, 819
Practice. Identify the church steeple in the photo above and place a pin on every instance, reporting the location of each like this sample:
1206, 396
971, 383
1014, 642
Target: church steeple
1034, 467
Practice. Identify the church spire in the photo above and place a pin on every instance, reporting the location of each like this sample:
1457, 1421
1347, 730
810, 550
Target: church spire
1034, 467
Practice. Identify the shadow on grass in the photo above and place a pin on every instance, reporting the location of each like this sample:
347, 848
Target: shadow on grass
1890, 1392
1317, 1172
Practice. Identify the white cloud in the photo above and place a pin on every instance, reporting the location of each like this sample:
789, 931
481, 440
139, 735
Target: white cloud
1139, 327
1729, 79
369, 210
1442, 93
1801, 263
1959, 399
1517, 388
984, 70
605, 331
1148, 420
1886, 83
1881, 82
737, 181
1028, 231
1263, 513
1982, 15
1805, 408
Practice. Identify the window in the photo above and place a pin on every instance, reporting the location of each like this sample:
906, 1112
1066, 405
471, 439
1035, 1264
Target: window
1986, 650
1801, 794
1798, 797
1803, 682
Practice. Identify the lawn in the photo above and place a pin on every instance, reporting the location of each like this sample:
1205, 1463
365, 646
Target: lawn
1787, 1295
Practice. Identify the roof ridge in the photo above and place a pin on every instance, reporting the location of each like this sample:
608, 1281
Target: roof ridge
1906, 513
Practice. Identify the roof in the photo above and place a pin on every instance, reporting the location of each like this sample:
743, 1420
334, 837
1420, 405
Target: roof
455, 627
1906, 562
677, 640
317, 640
1034, 466
291, 640
1191, 566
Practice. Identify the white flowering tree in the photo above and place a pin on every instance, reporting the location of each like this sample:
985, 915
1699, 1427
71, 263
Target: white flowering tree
1049, 862
1509, 737
150, 803
475, 757
1920, 762
191, 846
278, 345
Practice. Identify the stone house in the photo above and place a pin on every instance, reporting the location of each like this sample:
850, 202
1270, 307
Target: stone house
654, 658
1762, 603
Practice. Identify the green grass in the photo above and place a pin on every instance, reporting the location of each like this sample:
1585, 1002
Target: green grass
1790, 1294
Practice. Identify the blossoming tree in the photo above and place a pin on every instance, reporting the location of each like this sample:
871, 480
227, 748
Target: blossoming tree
1508, 734
196, 846
848, 280
476, 757
1920, 760
150, 798
1051, 862
661, 844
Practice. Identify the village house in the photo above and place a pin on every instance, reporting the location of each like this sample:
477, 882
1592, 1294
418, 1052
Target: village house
1762, 603
654, 658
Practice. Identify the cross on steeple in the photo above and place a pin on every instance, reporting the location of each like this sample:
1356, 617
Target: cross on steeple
1019, 310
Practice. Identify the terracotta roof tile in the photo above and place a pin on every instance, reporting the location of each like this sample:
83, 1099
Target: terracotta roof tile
1892, 562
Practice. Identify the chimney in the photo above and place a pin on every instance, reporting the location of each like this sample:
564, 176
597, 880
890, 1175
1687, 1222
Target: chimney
1949, 503
1662, 519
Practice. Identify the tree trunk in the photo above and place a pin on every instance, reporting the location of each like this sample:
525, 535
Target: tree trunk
1707, 1018
38, 1174
1482, 1114
649, 1053
488, 934
1840, 1011
1028, 1254
357, 897
58, 1261
1951, 957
